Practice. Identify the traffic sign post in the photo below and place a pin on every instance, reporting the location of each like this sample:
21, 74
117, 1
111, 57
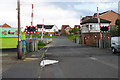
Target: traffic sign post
104, 29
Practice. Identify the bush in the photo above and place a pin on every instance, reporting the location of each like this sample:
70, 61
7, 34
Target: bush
41, 43
46, 33
56, 32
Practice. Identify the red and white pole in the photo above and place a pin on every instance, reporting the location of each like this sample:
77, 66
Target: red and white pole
42, 31
31, 22
99, 23
32, 16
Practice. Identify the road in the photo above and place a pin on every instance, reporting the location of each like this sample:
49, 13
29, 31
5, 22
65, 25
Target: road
75, 61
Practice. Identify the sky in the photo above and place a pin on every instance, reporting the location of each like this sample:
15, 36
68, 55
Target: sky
54, 12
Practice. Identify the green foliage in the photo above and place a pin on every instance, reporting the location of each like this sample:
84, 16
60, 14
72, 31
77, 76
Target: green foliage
72, 37
117, 22
118, 26
37, 35
46, 33
64, 33
75, 30
118, 30
33, 36
56, 32
41, 44
47, 36
70, 31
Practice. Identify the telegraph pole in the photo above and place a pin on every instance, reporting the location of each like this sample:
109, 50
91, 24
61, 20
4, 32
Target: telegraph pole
19, 35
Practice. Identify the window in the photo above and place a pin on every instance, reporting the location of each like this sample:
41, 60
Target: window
87, 26
54, 30
91, 27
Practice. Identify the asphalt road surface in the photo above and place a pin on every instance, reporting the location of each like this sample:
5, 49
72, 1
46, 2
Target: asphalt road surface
75, 61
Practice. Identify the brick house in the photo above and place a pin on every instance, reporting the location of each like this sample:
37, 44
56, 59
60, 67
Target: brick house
109, 15
63, 28
5, 26
91, 31
67, 29
77, 26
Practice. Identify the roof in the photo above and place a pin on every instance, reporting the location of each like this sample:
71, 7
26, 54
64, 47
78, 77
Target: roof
86, 17
77, 26
95, 20
63, 28
5, 26
107, 11
103, 12
45, 26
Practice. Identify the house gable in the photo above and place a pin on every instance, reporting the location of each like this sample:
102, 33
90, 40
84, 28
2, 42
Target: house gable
5, 26
47, 28
108, 15
111, 16
63, 28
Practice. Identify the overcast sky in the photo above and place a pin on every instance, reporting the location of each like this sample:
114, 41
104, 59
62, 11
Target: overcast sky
58, 12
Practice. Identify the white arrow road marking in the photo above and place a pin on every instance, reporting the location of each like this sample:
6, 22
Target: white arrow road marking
47, 62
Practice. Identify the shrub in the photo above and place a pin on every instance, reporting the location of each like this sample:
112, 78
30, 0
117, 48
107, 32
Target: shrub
46, 33
41, 43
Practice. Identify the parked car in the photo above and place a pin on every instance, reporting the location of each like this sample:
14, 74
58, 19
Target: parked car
115, 44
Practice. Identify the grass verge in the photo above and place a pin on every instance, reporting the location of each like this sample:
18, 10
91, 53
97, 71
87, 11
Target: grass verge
72, 37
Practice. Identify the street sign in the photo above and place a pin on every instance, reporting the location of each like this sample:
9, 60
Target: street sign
104, 29
31, 29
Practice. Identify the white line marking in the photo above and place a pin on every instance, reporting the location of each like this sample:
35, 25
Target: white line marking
93, 58
33, 55
3, 55
111, 65
46, 50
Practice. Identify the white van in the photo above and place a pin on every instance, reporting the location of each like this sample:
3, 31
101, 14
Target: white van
115, 44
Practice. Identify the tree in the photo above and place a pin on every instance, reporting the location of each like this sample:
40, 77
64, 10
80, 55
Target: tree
46, 33
56, 32
75, 30
117, 22
118, 26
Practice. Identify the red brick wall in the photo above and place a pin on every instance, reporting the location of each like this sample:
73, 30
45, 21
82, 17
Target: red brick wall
90, 38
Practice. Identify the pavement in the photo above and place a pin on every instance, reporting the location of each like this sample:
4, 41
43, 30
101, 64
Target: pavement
75, 61
8, 58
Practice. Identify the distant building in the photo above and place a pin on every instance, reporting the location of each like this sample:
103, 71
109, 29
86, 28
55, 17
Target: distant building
67, 30
77, 26
63, 28
47, 28
5, 26
86, 18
